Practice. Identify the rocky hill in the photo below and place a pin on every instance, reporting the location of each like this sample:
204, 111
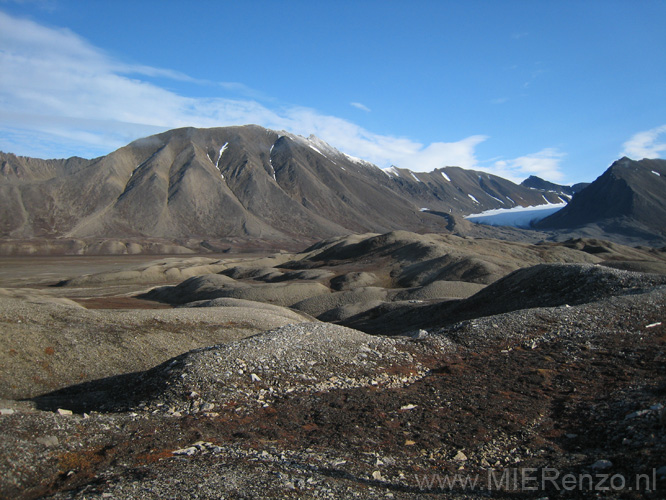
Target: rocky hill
627, 198
193, 186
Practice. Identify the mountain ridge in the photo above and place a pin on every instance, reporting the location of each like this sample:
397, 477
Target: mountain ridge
235, 182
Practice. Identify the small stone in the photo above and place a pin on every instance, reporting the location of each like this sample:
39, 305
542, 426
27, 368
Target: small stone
460, 456
189, 451
48, 440
571, 435
62, 411
602, 464
6, 411
636, 414
409, 442
254, 377
408, 407
377, 475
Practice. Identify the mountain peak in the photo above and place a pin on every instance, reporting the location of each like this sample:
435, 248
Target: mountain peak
627, 198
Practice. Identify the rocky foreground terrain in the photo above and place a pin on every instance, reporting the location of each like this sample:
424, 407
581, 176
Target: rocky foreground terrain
370, 366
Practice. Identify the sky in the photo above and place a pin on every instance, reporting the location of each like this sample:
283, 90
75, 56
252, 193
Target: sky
558, 89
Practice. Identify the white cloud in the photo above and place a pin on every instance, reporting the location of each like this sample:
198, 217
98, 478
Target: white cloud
59, 90
646, 144
544, 164
360, 106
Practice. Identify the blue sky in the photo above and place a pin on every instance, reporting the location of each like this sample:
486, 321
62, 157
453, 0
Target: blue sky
558, 89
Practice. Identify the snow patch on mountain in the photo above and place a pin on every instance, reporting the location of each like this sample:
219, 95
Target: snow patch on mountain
219, 157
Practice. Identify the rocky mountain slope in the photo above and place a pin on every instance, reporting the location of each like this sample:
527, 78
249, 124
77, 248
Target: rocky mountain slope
627, 198
193, 186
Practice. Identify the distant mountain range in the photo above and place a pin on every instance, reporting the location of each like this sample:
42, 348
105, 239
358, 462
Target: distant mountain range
196, 187
237, 182
535, 182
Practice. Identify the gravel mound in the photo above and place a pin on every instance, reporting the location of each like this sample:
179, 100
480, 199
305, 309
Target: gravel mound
347, 311
160, 271
549, 285
317, 306
254, 273
214, 286
441, 289
35, 296
47, 346
544, 285
273, 275
247, 304
402, 259
353, 280
305, 357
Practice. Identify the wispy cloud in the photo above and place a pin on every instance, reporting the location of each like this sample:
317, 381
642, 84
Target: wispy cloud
647, 144
360, 106
544, 164
58, 88
61, 96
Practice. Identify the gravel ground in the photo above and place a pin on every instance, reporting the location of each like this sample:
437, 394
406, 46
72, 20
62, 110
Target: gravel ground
553, 368
577, 389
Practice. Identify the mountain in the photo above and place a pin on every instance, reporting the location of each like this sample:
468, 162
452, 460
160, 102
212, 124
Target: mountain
628, 198
197, 186
535, 182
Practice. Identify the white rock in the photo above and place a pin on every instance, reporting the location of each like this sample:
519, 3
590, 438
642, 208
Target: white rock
6, 411
189, 451
62, 411
460, 456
